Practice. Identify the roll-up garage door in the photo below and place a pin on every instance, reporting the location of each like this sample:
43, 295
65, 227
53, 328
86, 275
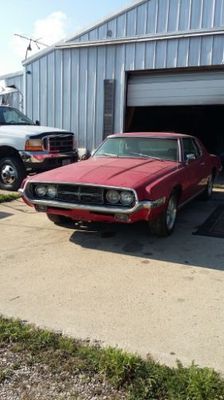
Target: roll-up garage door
191, 88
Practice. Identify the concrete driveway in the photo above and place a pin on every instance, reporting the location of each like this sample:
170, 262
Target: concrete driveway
118, 284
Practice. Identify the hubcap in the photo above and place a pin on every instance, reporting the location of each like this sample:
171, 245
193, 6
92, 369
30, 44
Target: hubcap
171, 213
8, 174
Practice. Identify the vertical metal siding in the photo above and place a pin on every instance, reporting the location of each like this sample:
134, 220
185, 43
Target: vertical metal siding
43, 90
91, 98
65, 88
160, 16
75, 110
50, 85
17, 80
58, 88
66, 84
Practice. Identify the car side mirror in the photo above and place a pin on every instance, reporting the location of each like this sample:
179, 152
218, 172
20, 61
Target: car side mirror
190, 157
37, 122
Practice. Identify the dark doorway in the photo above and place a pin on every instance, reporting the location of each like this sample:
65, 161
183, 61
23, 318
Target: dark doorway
204, 122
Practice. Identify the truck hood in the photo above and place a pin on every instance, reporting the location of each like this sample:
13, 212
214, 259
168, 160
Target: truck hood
118, 172
27, 130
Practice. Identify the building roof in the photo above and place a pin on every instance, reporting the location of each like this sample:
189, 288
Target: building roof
84, 31
11, 75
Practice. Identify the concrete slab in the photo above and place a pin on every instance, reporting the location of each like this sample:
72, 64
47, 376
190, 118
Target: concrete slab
118, 284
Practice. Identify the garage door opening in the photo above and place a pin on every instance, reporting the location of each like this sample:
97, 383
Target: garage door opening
204, 122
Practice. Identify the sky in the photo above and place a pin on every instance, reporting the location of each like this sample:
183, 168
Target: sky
46, 20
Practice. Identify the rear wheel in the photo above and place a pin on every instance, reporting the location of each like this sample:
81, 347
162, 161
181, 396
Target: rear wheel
165, 223
207, 194
60, 220
12, 173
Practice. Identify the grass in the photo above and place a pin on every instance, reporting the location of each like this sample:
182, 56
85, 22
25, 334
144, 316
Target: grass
8, 197
140, 379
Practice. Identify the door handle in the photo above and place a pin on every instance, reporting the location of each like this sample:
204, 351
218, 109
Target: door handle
202, 163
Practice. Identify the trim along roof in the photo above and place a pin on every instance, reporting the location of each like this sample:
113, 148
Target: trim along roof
11, 75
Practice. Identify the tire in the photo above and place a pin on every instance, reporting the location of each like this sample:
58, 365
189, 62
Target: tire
12, 173
164, 225
60, 220
207, 194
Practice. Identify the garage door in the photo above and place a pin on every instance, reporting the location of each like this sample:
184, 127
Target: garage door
195, 88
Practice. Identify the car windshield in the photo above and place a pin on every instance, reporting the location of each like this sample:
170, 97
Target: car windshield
139, 147
11, 116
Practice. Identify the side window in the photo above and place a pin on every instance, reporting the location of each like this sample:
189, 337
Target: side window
191, 147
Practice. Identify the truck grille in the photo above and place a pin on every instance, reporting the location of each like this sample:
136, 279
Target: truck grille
81, 194
60, 143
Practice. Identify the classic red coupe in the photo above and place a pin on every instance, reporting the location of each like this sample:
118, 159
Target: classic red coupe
130, 177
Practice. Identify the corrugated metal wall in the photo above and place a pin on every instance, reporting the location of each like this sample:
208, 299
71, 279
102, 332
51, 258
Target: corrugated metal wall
16, 100
159, 16
65, 87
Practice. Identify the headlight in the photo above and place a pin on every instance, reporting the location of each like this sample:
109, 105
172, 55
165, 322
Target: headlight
52, 191
113, 196
41, 190
127, 198
34, 145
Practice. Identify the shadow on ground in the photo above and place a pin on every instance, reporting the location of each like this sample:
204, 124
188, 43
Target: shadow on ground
182, 247
4, 215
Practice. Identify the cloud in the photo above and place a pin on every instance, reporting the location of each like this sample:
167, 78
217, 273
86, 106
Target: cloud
48, 30
51, 29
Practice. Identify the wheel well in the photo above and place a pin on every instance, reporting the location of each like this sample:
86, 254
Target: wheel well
177, 190
6, 151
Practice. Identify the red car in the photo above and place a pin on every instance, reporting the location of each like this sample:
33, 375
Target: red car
130, 177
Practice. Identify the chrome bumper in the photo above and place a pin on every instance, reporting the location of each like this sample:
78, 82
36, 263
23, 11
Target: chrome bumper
41, 157
140, 205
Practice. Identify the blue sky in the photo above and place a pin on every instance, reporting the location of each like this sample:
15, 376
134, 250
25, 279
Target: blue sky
50, 20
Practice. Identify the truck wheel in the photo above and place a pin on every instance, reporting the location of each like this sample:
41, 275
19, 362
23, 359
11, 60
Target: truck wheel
60, 220
12, 173
165, 223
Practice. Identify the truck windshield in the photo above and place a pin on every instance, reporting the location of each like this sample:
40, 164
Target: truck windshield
12, 116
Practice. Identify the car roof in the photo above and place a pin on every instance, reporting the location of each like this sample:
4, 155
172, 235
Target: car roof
167, 135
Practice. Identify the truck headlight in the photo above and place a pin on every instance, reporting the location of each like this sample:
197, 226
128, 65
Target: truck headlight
34, 145
127, 198
41, 190
113, 196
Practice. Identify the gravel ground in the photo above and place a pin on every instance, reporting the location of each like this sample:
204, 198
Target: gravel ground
23, 379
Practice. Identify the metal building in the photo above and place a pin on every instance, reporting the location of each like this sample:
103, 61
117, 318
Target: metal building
15, 82
156, 65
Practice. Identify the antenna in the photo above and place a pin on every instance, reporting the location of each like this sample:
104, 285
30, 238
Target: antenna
30, 40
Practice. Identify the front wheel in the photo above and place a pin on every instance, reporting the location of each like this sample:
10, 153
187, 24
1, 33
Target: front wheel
12, 173
165, 223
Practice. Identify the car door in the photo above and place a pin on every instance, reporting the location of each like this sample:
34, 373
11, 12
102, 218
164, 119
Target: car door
194, 167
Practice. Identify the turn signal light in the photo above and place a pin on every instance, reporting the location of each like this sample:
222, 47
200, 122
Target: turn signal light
34, 145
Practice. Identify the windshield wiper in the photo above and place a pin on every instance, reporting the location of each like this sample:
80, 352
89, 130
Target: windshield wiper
146, 155
106, 155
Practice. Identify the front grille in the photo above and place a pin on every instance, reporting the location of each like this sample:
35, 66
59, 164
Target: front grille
81, 194
59, 143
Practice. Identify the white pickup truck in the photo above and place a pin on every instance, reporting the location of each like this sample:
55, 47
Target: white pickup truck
27, 147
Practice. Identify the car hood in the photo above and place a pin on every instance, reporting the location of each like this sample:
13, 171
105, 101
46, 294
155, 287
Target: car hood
27, 130
118, 172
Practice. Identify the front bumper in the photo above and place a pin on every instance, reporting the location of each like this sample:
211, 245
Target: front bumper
43, 160
140, 211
